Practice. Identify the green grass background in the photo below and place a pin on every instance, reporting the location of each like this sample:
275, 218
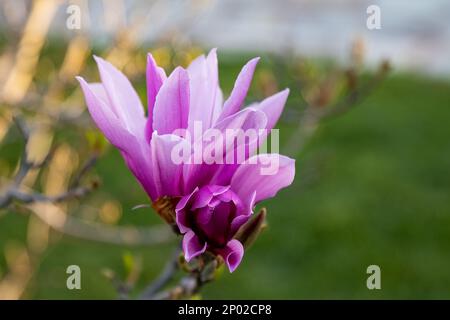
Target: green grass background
382, 197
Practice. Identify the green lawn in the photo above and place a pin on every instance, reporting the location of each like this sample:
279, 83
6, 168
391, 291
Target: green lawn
382, 197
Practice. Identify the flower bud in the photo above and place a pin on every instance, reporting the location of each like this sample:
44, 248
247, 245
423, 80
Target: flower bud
248, 233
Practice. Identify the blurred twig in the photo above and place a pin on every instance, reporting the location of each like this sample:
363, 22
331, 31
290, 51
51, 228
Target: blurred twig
315, 114
167, 274
53, 216
14, 191
190, 285
43, 206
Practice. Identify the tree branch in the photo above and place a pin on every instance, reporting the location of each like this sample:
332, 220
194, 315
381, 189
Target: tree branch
167, 274
202, 273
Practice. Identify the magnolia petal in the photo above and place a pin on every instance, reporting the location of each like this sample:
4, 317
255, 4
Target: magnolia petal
155, 77
103, 116
218, 103
181, 219
192, 246
203, 80
135, 153
232, 254
199, 174
172, 103
257, 175
248, 118
167, 174
273, 107
238, 222
239, 92
123, 98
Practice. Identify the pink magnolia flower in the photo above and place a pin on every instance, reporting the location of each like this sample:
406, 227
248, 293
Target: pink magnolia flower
214, 199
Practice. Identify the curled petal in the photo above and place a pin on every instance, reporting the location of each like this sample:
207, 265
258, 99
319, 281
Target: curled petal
232, 254
181, 218
192, 246
202, 199
238, 222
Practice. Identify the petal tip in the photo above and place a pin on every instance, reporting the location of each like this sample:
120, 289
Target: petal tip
255, 60
150, 58
235, 254
80, 79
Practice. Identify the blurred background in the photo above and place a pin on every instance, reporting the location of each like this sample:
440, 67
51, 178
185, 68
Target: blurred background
367, 120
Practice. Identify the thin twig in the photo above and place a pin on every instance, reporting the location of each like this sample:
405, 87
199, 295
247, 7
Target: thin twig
192, 283
43, 206
54, 216
84, 169
14, 192
164, 278
313, 116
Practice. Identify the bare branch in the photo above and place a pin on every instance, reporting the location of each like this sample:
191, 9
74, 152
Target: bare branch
191, 284
164, 278
313, 115
44, 206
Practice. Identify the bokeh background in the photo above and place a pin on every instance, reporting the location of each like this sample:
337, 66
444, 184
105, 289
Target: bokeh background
367, 120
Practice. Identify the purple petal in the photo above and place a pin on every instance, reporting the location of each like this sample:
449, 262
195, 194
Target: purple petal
265, 173
167, 174
248, 118
237, 223
105, 119
273, 107
192, 246
239, 92
123, 98
218, 104
232, 254
201, 174
202, 198
172, 103
181, 219
203, 80
204, 215
135, 152
245, 119
217, 227
155, 78
217, 190
139, 163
